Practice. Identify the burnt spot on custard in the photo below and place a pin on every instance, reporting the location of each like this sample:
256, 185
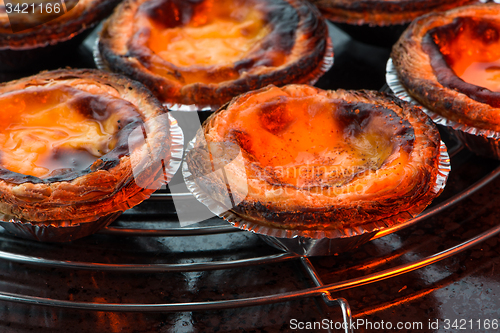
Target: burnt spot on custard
243, 140
355, 118
274, 116
169, 14
439, 43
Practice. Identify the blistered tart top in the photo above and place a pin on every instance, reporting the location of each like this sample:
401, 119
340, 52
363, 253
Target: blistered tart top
69, 145
301, 158
450, 63
205, 52
382, 12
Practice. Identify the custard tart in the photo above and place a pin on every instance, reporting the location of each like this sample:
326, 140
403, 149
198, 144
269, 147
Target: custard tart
206, 52
25, 44
449, 62
76, 147
304, 159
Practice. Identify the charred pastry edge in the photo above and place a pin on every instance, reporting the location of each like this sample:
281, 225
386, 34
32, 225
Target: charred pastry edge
350, 214
380, 12
215, 94
417, 75
55, 31
104, 188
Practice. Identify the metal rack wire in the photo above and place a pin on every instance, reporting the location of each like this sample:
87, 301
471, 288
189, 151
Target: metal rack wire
318, 290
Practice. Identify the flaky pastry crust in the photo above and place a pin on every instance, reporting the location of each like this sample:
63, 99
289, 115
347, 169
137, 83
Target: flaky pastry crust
382, 12
85, 15
330, 180
426, 76
109, 185
298, 36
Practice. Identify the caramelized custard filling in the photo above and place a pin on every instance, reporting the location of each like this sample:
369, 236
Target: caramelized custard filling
485, 74
44, 130
218, 34
212, 41
474, 53
314, 141
466, 57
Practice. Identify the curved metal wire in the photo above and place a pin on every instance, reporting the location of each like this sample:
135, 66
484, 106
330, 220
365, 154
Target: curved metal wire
199, 231
186, 267
260, 300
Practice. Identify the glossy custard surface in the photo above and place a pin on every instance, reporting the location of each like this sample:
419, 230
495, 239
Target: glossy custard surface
310, 140
47, 129
474, 54
484, 74
471, 47
219, 33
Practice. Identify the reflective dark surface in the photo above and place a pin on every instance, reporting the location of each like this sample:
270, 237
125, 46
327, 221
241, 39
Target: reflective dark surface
465, 287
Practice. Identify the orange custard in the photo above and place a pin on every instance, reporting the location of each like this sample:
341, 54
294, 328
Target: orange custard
483, 74
302, 141
44, 129
474, 54
217, 35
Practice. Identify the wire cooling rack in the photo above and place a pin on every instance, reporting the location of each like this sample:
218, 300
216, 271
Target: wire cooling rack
135, 224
